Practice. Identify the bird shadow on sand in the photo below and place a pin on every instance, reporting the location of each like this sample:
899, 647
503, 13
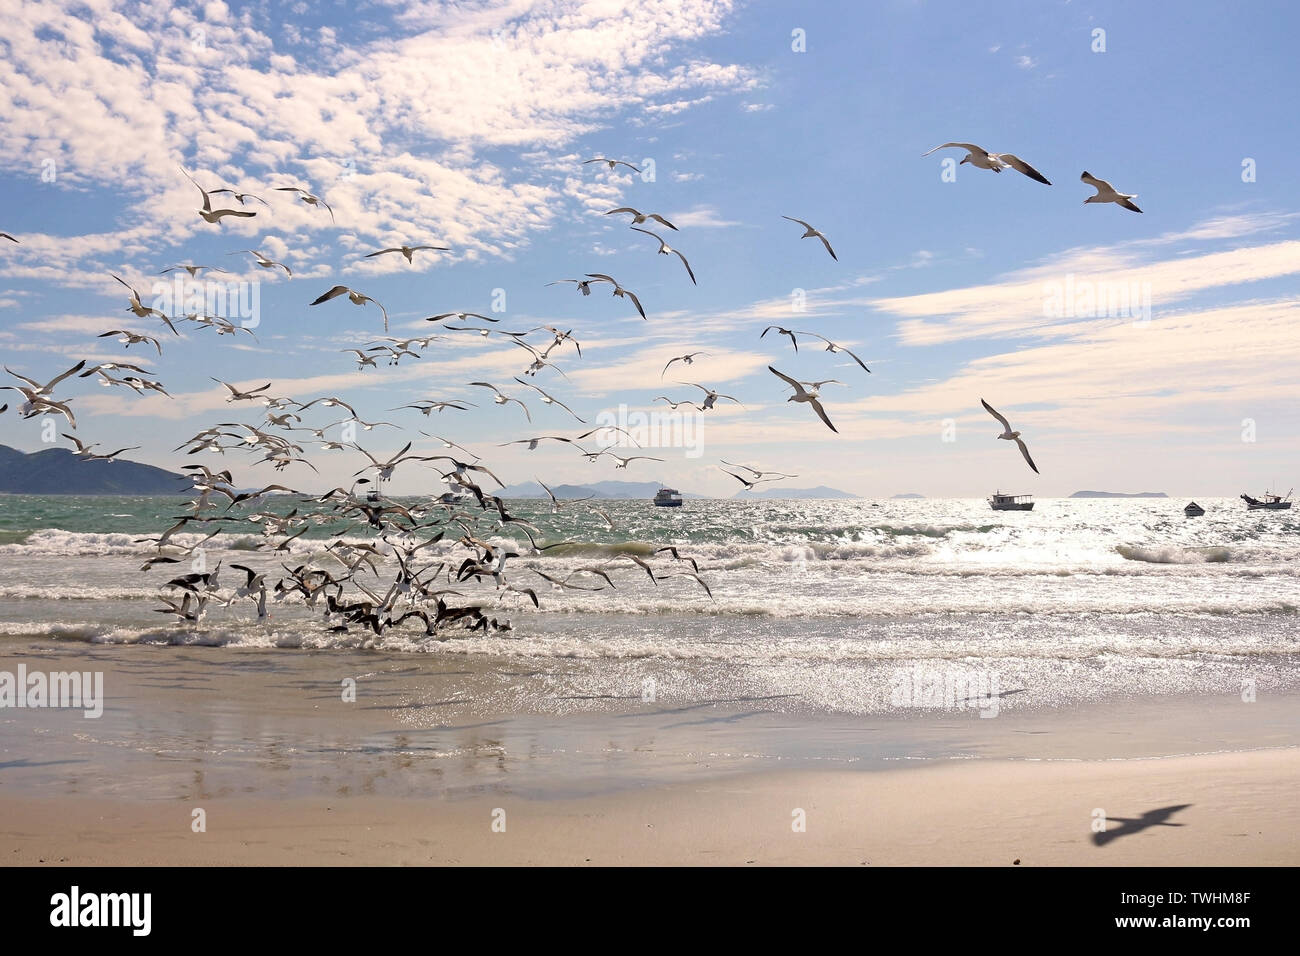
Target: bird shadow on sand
1128, 826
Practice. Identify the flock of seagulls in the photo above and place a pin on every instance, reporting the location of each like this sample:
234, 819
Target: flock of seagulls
440, 565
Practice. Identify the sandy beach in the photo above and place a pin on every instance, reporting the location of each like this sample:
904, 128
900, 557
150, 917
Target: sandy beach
1238, 809
488, 762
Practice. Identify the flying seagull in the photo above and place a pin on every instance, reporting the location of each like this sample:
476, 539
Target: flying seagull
215, 215
307, 197
803, 395
687, 359
237, 396
1107, 193
356, 298
142, 311
639, 217
611, 163
832, 347
620, 291
263, 261
810, 232
997, 162
710, 396
405, 250
1009, 435
665, 249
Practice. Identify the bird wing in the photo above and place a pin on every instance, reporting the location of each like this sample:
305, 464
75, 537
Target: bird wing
1020, 166
799, 221
992, 411
658, 218
690, 273
799, 389
333, 293
970, 147
1128, 204
649, 233
634, 212
1098, 184
1025, 451
855, 358
827, 244
636, 302
821, 413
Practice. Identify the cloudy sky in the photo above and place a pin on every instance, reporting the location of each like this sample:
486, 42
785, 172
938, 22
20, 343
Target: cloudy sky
466, 125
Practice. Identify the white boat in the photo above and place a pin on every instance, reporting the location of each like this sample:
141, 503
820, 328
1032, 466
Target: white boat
1000, 502
1268, 501
668, 498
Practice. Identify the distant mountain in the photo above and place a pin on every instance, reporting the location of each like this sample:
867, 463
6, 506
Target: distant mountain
909, 495
57, 471
1118, 494
821, 491
599, 489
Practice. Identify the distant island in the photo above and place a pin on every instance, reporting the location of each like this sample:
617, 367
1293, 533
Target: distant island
1118, 494
596, 489
909, 495
821, 491
58, 471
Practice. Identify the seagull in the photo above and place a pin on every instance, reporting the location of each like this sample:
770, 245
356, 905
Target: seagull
425, 406
584, 285
460, 317
405, 251
143, 311
363, 360
665, 249
215, 215
502, 398
239, 197
1009, 435
611, 163
356, 298
810, 232
193, 270
619, 290
85, 453
684, 359
532, 443
44, 391
640, 217
754, 471
711, 396
622, 462
385, 468
789, 333
1106, 192
672, 403
832, 347
262, 261
237, 396
803, 395
548, 400
995, 161
307, 197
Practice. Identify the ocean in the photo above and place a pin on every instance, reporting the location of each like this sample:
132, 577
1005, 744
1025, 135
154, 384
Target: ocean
819, 607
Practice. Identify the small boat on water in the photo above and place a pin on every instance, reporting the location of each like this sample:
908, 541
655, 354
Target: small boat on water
1268, 501
1193, 510
1000, 502
668, 498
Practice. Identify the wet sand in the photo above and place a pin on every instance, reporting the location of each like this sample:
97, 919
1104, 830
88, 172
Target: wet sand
288, 770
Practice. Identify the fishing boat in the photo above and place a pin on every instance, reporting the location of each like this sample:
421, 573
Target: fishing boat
1268, 501
1000, 502
1193, 510
668, 498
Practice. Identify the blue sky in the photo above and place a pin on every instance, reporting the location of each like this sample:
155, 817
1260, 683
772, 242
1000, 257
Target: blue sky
466, 125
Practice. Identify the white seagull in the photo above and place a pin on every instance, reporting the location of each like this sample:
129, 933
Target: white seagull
997, 162
810, 232
802, 394
1107, 193
665, 249
639, 217
1009, 435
